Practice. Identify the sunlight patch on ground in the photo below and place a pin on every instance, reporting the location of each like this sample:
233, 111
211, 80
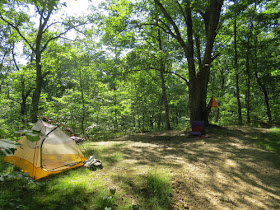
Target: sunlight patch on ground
207, 173
230, 163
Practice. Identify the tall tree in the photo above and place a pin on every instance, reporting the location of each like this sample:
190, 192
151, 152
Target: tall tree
248, 73
237, 73
162, 70
37, 38
24, 93
209, 14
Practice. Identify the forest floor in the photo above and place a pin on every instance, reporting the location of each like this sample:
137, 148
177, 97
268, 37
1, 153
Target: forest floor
226, 170
233, 168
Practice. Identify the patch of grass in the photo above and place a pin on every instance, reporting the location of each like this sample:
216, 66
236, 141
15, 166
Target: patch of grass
108, 135
151, 190
218, 130
109, 155
269, 141
105, 200
131, 186
74, 189
81, 188
158, 189
63, 191
77, 188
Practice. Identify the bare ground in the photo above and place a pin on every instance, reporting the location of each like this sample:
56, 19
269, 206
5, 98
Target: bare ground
225, 171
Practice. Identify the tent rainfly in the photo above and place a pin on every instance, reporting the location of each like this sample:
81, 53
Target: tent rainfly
53, 153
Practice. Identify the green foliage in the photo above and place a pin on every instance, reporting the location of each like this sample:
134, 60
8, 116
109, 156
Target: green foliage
118, 186
8, 147
2, 133
31, 135
107, 203
269, 141
13, 184
108, 81
17, 175
38, 194
257, 53
158, 186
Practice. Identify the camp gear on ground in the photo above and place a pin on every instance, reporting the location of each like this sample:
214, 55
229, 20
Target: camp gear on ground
198, 128
93, 163
77, 139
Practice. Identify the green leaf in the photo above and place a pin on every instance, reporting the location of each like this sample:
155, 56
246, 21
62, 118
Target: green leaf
8, 147
2, 132
32, 137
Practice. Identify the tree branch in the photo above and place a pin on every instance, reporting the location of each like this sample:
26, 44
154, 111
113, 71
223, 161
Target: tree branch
67, 38
46, 19
13, 55
19, 32
167, 27
175, 27
29, 91
2, 60
59, 36
45, 74
197, 43
180, 76
182, 11
215, 56
143, 69
51, 25
157, 69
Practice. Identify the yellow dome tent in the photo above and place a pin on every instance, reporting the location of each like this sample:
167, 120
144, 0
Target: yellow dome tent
53, 153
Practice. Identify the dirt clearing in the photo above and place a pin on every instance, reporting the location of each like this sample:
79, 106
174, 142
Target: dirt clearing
224, 171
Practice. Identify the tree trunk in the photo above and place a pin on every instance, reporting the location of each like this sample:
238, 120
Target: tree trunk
23, 108
36, 100
198, 83
237, 75
143, 121
218, 115
197, 96
165, 101
163, 87
262, 86
159, 121
38, 50
24, 97
45, 11
1, 67
139, 120
38, 89
83, 103
248, 82
151, 123
266, 99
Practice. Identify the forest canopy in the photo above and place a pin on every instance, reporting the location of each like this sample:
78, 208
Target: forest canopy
139, 64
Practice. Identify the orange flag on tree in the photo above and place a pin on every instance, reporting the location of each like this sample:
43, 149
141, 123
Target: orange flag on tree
214, 103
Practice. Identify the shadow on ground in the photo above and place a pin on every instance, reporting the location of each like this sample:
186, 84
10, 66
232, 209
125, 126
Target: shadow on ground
224, 171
